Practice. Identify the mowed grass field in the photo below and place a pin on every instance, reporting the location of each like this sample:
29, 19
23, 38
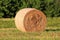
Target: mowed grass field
8, 30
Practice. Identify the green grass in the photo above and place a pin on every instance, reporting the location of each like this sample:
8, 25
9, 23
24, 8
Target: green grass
8, 31
7, 23
53, 22
14, 34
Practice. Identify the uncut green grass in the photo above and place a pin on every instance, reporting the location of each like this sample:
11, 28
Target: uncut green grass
53, 23
7, 23
8, 31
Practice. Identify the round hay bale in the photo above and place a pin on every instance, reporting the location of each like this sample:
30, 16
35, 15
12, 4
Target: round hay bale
30, 20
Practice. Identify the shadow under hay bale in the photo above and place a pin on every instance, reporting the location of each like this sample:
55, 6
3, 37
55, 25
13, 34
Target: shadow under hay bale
52, 30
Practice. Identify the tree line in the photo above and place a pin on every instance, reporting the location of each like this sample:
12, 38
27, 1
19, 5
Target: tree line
8, 8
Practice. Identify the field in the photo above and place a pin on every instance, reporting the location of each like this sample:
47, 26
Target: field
8, 31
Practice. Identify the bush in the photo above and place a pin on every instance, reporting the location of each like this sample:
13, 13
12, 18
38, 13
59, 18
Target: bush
8, 8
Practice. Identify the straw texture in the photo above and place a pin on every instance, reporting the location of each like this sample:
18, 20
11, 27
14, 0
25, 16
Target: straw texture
30, 20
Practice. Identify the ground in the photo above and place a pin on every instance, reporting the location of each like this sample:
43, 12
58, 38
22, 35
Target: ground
8, 31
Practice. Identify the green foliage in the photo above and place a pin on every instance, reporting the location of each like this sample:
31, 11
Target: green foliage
8, 8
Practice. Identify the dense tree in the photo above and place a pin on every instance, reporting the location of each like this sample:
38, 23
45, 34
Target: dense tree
8, 8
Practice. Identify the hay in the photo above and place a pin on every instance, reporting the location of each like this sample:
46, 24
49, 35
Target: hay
30, 20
